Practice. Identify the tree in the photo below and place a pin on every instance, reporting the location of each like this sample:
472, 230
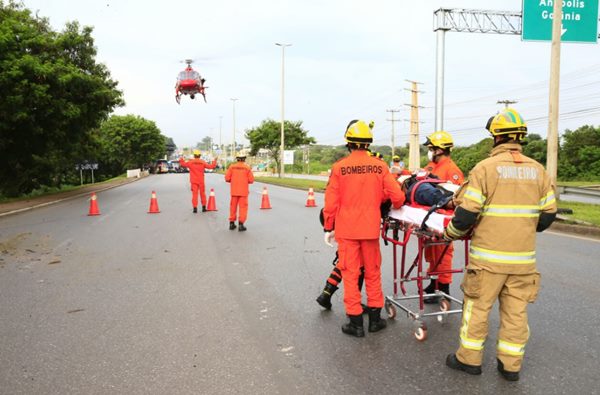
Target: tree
467, 157
268, 136
579, 154
205, 144
130, 142
536, 148
53, 95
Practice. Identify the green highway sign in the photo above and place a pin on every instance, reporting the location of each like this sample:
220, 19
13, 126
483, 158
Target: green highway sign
579, 20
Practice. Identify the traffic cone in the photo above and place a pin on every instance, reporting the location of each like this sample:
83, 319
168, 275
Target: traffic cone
94, 205
265, 204
153, 204
310, 202
212, 205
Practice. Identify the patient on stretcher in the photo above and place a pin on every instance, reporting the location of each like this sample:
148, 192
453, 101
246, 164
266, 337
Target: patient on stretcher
428, 204
428, 190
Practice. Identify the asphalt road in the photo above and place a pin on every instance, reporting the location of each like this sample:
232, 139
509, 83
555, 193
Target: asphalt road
175, 303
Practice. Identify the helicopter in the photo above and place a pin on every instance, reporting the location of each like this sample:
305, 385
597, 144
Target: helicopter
189, 82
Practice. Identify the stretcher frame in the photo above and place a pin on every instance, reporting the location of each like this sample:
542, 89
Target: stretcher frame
416, 273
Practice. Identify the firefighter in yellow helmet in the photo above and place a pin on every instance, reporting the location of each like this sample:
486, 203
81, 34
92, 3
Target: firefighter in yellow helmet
439, 145
357, 186
507, 198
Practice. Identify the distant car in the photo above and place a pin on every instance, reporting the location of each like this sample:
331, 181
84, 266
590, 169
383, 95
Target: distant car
161, 167
174, 167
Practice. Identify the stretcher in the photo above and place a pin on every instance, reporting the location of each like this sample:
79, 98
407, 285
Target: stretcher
426, 224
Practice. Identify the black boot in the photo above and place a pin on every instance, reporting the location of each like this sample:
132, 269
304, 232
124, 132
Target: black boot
195, 210
430, 288
232, 225
445, 288
375, 322
203, 209
325, 298
453, 363
354, 327
242, 228
509, 376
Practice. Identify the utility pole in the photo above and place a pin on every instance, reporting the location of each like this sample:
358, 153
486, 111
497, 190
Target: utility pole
282, 148
308, 159
506, 102
233, 143
552, 150
220, 133
393, 130
414, 158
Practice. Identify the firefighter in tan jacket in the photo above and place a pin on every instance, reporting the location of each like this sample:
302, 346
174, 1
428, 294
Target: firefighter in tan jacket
507, 198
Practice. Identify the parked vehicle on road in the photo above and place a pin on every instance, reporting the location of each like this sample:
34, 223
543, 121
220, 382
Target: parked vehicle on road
161, 166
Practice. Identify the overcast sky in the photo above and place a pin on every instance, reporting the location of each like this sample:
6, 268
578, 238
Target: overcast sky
348, 60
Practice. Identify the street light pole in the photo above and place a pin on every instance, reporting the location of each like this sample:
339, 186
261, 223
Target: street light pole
220, 133
233, 144
282, 148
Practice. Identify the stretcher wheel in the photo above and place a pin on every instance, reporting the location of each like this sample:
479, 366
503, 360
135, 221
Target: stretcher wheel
421, 333
390, 309
444, 304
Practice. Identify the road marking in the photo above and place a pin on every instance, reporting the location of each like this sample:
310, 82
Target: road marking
573, 236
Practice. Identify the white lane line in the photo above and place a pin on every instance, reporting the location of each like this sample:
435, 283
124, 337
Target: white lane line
572, 236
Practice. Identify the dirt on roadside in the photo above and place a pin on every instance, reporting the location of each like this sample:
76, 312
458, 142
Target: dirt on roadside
26, 204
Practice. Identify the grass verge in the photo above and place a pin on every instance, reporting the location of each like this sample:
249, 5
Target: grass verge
47, 191
582, 212
589, 213
298, 183
577, 183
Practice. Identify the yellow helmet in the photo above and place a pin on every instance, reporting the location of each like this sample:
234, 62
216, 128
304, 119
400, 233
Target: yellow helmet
377, 155
396, 158
508, 122
358, 132
439, 139
196, 152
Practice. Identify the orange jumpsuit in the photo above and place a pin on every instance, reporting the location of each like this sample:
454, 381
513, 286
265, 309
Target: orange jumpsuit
197, 167
240, 176
445, 169
356, 188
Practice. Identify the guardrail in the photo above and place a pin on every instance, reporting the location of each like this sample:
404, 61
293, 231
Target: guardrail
580, 191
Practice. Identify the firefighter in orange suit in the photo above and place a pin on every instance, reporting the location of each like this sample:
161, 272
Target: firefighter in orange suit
439, 145
355, 190
506, 200
240, 176
397, 168
197, 167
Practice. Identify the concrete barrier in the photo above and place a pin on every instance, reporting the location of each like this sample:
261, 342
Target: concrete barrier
134, 173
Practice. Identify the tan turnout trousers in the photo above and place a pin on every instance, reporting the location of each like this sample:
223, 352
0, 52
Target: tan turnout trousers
514, 291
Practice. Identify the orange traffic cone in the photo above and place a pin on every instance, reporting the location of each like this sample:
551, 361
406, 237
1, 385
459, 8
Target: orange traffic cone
212, 205
310, 202
265, 204
94, 205
153, 204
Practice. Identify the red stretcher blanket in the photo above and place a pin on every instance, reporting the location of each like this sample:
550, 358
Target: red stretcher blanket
414, 214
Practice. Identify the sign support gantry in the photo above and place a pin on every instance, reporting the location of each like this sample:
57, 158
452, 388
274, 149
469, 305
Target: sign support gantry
469, 21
